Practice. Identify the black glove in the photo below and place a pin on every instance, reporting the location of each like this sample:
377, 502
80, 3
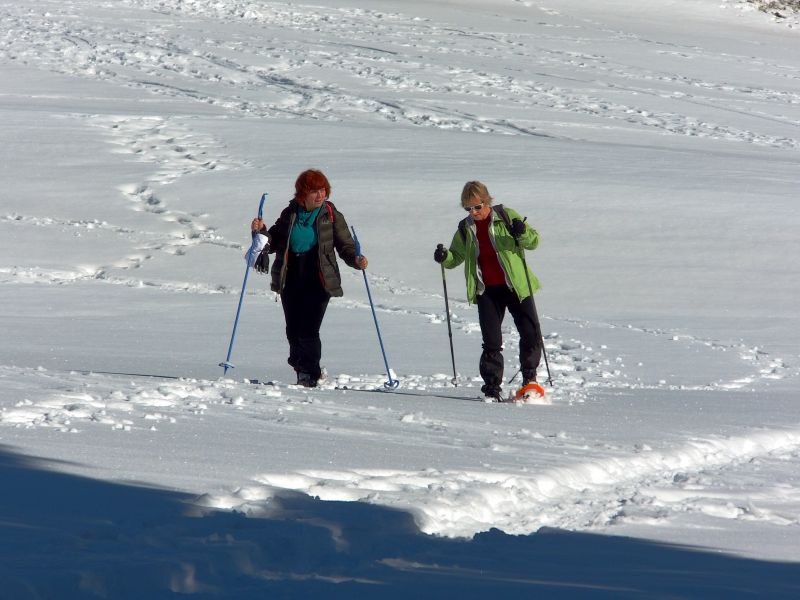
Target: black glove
262, 260
517, 228
440, 255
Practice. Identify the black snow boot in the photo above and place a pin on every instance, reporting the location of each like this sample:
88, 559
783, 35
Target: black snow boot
306, 379
492, 392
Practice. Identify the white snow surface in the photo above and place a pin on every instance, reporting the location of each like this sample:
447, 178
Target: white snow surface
655, 146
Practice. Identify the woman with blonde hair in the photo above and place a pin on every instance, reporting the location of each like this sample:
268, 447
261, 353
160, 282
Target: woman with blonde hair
491, 241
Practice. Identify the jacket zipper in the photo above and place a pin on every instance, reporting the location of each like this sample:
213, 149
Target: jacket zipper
285, 265
481, 286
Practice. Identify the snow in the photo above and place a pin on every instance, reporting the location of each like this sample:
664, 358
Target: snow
655, 149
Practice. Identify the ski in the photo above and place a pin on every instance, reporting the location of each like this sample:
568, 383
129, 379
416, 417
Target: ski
419, 394
125, 374
170, 377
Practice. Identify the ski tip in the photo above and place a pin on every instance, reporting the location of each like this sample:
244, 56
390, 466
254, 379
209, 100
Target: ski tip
532, 389
260, 382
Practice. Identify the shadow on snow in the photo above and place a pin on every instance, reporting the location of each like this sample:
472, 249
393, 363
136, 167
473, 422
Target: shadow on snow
64, 536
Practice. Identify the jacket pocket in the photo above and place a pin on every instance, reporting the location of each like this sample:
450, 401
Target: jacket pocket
334, 265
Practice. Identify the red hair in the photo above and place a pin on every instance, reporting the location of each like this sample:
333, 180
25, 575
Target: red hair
310, 180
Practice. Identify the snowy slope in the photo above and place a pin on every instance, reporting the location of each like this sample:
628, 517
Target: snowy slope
654, 147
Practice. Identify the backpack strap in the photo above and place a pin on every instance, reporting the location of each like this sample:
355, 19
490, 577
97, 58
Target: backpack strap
462, 229
328, 205
499, 209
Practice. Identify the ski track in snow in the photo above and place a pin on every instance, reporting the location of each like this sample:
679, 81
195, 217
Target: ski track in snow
577, 365
155, 140
393, 73
178, 151
168, 142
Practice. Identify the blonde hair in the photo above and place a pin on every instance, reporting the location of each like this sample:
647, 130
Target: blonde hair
476, 189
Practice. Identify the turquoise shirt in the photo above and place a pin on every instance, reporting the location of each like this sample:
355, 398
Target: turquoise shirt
304, 232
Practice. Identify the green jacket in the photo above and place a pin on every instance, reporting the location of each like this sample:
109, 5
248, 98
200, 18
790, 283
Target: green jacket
465, 249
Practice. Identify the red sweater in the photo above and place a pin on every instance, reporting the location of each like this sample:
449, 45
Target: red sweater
491, 271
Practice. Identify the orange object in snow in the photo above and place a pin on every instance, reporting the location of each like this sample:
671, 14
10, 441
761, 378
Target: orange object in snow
528, 390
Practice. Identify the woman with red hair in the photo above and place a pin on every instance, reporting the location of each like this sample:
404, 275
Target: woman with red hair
305, 272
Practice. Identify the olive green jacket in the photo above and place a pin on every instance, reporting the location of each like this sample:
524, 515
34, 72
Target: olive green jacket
464, 249
332, 234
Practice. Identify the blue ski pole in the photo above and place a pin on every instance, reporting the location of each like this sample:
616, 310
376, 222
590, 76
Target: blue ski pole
392, 383
227, 363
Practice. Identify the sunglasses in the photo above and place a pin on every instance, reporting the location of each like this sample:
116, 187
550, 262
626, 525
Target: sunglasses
475, 208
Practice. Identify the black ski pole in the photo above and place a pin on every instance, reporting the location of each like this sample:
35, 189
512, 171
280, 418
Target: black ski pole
449, 328
533, 307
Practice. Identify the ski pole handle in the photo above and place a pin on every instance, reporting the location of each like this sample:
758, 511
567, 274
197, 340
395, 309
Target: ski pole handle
261, 205
251, 253
516, 240
260, 211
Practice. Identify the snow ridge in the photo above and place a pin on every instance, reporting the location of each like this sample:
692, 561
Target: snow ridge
581, 496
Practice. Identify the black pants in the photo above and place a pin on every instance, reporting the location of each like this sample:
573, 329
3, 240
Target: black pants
492, 305
304, 302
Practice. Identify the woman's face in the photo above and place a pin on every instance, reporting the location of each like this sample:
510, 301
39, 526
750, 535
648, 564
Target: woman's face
477, 209
314, 199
